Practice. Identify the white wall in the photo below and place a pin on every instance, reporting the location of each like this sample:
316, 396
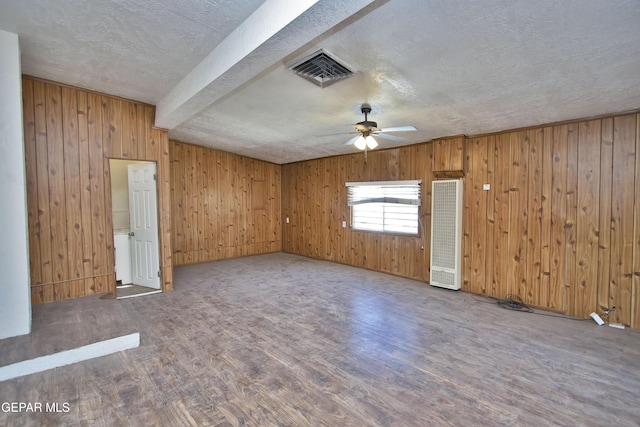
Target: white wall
118, 170
15, 294
119, 193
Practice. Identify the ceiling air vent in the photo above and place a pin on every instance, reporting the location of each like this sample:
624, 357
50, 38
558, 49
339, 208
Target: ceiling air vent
320, 68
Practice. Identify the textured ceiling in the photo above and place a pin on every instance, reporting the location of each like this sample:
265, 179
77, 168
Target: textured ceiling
217, 70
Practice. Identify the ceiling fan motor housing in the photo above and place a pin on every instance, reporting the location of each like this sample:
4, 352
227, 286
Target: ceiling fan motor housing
366, 125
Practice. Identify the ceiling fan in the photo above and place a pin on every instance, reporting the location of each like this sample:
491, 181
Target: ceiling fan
367, 129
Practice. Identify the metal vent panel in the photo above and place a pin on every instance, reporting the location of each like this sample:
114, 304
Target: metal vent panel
444, 279
321, 69
446, 233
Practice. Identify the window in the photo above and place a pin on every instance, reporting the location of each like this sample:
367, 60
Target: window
385, 206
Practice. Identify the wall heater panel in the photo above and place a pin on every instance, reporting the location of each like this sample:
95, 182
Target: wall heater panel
446, 233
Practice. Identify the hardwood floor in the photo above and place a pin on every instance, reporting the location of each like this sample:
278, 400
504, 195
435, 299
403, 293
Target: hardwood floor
280, 339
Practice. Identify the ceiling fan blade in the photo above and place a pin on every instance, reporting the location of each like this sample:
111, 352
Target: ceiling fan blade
400, 129
352, 140
334, 134
389, 137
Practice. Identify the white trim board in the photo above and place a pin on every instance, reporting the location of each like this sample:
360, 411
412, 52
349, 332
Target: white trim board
67, 357
140, 294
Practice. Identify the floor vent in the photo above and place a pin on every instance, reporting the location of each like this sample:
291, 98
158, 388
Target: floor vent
321, 68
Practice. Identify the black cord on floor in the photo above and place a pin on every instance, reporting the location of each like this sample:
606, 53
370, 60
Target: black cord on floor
514, 302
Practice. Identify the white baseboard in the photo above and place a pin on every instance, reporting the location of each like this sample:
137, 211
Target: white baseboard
68, 357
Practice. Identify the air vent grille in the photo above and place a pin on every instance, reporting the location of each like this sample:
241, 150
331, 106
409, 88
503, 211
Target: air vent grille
446, 233
321, 68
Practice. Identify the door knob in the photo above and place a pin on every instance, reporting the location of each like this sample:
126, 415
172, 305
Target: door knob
131, 234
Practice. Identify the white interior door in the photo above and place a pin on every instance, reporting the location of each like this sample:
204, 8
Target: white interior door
143, 211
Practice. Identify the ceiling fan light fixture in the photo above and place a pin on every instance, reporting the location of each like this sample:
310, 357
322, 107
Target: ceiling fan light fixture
367, 128
371, 142
364, 142
361, 143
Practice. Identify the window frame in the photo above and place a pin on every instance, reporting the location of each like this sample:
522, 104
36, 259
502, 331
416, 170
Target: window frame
408, 194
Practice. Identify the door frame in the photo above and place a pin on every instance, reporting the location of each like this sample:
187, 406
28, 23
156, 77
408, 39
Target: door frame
110, 227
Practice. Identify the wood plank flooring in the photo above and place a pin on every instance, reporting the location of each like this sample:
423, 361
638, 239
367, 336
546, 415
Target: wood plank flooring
284, 340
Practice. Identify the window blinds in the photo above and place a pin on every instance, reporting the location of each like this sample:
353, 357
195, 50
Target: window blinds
397, 192
385, 206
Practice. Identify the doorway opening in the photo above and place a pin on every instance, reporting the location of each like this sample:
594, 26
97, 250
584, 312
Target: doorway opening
134, 204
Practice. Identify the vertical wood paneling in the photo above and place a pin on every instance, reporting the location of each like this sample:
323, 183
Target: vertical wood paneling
129, 130
197, 201
142, 128
224, 202
73, 189
217, 206
164, 209
314, 199
559, 226
478, 218
172, 186
42, 232
449, 154
85, 195
96, 178
557, 289
587, 221
214, 210
635, 291
604, 226
501, 215
108, 283
183, 238
467, 231
57, 196
539, 233
577, 215
570, 225
518, 214
31, 179
476, 213
622, 217
457, 153
275, 208
208, 218
112, 127
151, 143
490, 229
441, 155
69, 135
533, 259
546, 235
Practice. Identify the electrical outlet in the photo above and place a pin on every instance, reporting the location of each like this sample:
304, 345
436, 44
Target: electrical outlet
486, 187
344, 224
287, 220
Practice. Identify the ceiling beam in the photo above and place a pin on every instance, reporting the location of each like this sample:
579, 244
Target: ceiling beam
276, 29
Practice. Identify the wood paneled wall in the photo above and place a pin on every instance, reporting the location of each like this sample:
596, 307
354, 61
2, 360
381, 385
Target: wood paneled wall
223, 205
449, 157
559, 226
314, 198
69, 136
